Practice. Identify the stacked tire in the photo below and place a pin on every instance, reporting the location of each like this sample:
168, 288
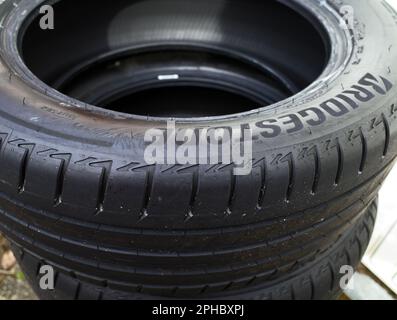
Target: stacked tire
76, 193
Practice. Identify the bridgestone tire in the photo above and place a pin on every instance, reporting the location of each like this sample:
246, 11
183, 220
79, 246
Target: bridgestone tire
76, 192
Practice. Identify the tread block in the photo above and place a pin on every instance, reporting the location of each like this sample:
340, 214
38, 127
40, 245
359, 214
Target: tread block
125, 193
42, 183
82, 193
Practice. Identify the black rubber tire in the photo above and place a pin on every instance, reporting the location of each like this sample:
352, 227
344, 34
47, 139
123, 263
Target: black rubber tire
319, 279
76, 192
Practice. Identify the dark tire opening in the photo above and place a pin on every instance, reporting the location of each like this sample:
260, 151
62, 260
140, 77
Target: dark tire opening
186, 101
213, 57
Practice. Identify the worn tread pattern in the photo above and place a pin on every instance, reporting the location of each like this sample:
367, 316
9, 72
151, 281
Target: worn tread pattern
140, 196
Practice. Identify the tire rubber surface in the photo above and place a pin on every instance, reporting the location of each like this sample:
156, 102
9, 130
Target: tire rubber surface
76, 193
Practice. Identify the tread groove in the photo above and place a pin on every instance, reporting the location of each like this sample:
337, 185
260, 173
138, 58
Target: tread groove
312, 287
317, 171
24, 165
364, 153
387, 135
332, 272
232, 192
103, 183
147, 195
194, 194
22, 172
77, 293
101, 192
262, 192
65, 161
293, 294
339, 170
291, 174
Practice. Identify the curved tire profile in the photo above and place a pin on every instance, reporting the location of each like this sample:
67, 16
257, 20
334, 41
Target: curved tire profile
76, 192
